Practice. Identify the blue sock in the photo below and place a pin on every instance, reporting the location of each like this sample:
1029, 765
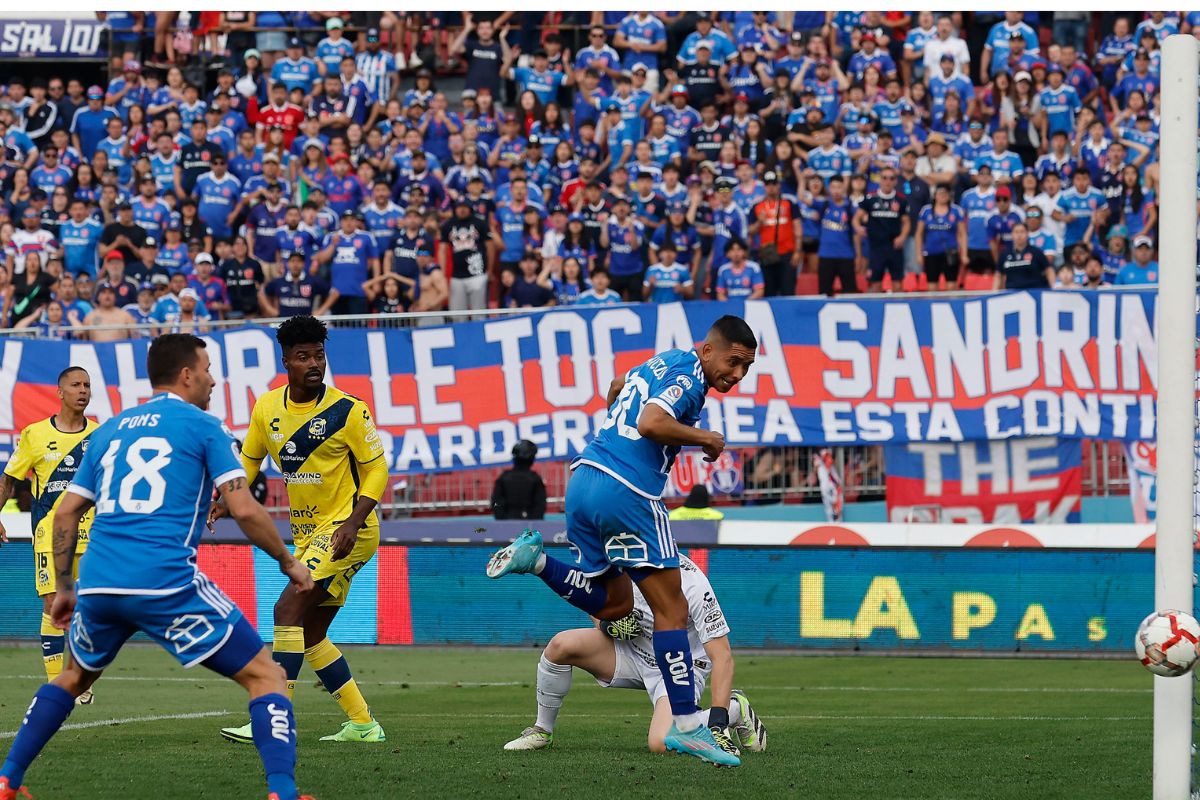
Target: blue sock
674, 657
568, 583
274, 729
50, 708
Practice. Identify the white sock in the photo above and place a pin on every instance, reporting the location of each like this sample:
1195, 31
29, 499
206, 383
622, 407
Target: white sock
540, 564
553, 683
735, 713
689, 722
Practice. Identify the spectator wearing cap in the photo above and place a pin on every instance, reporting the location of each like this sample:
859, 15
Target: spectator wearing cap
870, 54
469, 240
1001, 223
123, 234
147, 264
1041, 238
218, 194
189, 318
999, 40
79, 236
114, 278
173, 253
378, 67
775, 222
979, 204
1023, 266
539, 78
142, 310
332, 107
295, 70
1140, 79
701, 75
210, 289
1076, 207
523, 290
90, 123
720, 47
946, 79
667, 280
257, 188
330, 51
678, 233
642, 37
127, 90
481, 50
352, 258
618, 136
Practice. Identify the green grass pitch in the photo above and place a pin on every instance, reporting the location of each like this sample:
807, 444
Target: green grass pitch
848, 727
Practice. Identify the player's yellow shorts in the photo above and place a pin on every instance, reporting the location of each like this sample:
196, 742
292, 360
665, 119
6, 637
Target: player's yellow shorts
335, 576
43, 573
43, 561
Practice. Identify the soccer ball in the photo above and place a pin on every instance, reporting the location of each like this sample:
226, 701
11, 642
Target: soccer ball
1166, 643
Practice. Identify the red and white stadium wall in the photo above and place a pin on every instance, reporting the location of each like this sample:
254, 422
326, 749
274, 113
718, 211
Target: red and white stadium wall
976, 599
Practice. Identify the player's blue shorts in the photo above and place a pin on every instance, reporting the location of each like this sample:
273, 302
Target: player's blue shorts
613, 526
198, 624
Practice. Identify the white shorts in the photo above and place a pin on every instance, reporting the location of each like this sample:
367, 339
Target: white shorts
632, 671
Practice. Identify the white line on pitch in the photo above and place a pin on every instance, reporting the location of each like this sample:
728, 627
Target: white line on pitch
753, 687
104, 723
828, 717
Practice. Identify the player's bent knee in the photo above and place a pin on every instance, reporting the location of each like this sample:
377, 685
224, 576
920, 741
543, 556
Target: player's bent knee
558, 649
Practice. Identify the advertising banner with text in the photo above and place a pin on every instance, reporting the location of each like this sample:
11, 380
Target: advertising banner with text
829, 372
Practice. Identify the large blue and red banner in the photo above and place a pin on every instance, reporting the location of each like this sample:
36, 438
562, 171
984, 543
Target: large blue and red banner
829, 372
1034, 480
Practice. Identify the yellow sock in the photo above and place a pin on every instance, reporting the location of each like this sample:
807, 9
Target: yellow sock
331, 667
53, 642
288, 652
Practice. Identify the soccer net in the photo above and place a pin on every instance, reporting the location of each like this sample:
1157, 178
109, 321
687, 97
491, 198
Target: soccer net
1176, 772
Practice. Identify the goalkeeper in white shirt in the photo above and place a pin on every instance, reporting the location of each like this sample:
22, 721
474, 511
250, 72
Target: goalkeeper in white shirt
620, 655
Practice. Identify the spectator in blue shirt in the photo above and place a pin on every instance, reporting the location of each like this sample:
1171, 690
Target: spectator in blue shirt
90, 123
1143, 270
295, 70
1060, 103
1076, 206
352, 259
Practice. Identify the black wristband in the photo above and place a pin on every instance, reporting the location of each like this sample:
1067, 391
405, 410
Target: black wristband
718, 717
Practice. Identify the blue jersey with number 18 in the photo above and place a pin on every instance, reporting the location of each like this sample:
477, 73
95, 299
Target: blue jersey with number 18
150, 470
674, 381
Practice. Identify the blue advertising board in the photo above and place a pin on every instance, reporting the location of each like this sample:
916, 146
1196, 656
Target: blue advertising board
918, 600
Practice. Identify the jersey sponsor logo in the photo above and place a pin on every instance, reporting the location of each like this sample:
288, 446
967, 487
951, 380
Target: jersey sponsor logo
308, 512
713, 617
188, 631
57, 481
311, 478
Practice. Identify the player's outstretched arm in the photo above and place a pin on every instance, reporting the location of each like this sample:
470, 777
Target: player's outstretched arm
721, 686
254, 521
657, 425
71, 509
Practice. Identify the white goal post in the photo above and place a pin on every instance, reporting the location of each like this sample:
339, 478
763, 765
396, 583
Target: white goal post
1173, 554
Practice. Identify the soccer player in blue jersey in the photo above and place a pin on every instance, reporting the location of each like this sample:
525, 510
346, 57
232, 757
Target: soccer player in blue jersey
618, 523
150, 472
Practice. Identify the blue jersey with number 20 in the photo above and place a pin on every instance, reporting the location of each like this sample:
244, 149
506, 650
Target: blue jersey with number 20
674, 381
150, 471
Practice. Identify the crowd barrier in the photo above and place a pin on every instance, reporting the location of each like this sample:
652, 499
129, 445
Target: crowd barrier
917, 600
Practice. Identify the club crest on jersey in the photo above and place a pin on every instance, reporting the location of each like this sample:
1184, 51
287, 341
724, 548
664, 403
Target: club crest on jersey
317, 427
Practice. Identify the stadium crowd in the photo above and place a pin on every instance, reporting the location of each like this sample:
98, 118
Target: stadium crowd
243, 164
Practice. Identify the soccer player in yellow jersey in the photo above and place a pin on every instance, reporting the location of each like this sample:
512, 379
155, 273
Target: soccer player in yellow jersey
52, 450
325, 443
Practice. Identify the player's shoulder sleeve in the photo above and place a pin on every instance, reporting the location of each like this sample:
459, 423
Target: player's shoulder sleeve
222, 458
23, 457
364, 439
84, 482
680, 391
704, 611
